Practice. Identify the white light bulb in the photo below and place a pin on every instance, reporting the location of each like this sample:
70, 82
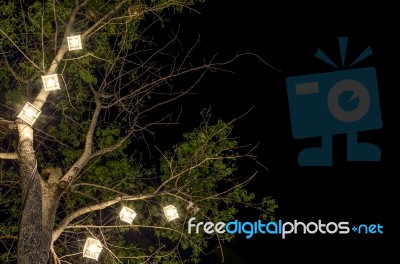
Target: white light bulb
51, 83
74, 42
92, 248
127, 215
30, 113
171, 212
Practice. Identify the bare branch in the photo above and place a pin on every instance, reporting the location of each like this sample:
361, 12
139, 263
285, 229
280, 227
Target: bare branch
9, 237
42, 42
261, 59
56, 25
56, 260
100, 227
25, 25
6, 124
86, 155
71, 217
23, 53
9, 156
113, 147
11, 70
99, 187
237, 185
103, 19
50, 137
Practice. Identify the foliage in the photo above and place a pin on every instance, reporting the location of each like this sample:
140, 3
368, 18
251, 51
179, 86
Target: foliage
110, 94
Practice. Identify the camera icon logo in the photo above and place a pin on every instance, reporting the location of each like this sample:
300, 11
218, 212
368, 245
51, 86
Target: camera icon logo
338, 102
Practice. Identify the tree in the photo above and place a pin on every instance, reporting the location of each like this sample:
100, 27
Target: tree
66, 176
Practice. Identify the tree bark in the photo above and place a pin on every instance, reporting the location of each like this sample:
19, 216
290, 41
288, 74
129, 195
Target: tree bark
40, 202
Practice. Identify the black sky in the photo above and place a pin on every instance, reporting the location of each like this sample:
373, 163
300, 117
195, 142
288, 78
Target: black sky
287, 35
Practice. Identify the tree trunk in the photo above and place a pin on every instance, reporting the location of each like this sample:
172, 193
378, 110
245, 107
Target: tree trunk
39, 205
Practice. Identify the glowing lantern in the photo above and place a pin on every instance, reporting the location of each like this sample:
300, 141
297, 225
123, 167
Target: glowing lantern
127, 215
171, 212
29, 113
74, 42
92, 248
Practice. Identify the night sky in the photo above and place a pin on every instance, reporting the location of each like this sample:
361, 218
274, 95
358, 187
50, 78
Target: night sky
287, 35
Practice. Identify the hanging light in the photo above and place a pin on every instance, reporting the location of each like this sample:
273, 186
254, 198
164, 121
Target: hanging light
50, 82
171, 212
74, 42
195, 210
127, 215
190, 205
192, 208
92, 248
29, 113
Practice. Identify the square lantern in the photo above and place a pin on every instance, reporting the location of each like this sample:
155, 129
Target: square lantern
192, 208
50, 82
127, 215
195, 210
190, 205
92, 248
74, 42
171, 212
29, 113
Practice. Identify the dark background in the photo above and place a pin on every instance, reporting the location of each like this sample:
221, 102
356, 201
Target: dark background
287, 35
